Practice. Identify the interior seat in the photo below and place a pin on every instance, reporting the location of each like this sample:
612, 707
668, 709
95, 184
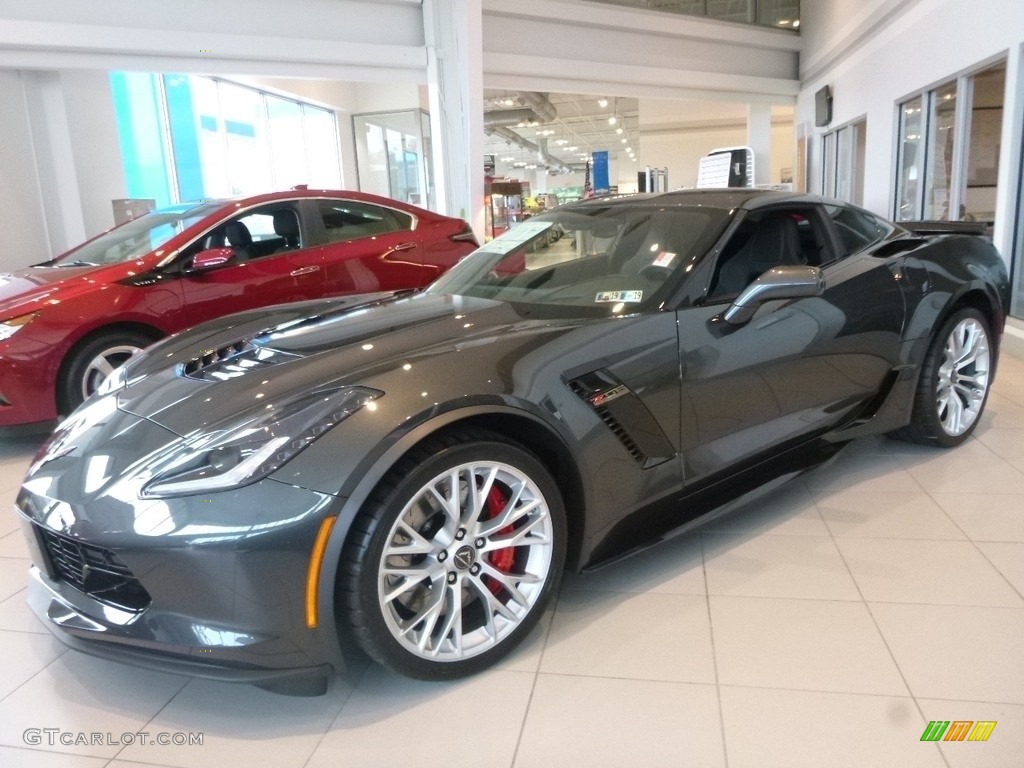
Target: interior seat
774, 242
239, 238
286, 226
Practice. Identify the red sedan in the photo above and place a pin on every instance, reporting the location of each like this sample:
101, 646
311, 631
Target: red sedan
67, 323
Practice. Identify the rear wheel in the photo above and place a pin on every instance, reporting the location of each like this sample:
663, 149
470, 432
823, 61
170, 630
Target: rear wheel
954, 384
454, 556
91, 363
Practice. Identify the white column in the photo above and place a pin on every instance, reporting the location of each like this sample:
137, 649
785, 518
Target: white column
54, 158
759, 138
1007, 191
454, 39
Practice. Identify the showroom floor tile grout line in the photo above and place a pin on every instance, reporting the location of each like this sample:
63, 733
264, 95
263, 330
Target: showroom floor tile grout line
714, 652
888, 647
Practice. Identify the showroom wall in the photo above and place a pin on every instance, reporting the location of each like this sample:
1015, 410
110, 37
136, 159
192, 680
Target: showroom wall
874, 54
20, 195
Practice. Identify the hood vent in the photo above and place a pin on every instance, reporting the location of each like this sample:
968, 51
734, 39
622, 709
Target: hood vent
232, 360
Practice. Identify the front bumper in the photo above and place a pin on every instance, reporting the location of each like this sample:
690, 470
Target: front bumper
79, 632
211, 586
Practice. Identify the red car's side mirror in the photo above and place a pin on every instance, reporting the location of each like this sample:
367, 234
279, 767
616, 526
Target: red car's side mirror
212, 257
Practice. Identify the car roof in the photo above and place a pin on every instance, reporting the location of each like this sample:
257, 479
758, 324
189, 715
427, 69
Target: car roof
723, 198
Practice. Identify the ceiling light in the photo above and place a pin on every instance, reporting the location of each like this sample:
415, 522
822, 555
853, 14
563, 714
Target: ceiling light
573, 149
624, 140
612, 120
602, 103
796, 23
618, 130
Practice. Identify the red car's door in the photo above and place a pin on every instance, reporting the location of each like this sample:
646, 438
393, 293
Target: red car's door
369, 248
274, 261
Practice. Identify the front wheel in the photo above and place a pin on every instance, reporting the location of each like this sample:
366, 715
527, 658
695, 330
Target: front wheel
955, 380
89, 364
454, 556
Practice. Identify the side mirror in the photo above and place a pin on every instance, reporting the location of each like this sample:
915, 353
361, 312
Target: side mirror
210, 258
776, 283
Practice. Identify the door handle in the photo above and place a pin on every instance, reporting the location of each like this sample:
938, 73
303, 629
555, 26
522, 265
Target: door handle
403, 247
304, 270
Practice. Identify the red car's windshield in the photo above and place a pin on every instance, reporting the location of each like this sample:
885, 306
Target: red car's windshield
136, 238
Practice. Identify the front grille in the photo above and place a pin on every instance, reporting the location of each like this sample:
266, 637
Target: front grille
95, 571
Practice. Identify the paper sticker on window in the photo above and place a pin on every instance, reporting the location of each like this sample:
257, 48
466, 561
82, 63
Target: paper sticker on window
626, 297
664, 259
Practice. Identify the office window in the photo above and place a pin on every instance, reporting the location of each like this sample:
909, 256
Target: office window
844, 160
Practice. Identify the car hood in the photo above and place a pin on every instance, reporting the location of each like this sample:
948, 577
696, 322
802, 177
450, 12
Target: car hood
27, 289
202, 379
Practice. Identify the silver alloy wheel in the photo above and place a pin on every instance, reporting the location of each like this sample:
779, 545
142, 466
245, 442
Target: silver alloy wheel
466, 561
103, 364
963, 377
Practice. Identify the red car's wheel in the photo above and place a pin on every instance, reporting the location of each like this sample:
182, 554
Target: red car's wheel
90, 363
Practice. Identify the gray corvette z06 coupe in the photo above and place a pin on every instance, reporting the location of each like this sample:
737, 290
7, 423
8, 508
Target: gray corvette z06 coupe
407, 475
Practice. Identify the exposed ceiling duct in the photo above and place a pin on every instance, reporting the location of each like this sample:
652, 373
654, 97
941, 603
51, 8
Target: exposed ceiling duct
543, 156
538, 110
504, 117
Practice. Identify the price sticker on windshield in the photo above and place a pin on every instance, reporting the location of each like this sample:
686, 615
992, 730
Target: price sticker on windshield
626, 297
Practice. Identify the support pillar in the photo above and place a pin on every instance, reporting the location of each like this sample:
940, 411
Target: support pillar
454, 39
759, 139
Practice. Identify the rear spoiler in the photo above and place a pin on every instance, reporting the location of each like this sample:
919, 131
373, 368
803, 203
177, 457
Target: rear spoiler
982, 228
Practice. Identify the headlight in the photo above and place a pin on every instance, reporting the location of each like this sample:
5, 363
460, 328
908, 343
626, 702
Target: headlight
249, 447
10, 327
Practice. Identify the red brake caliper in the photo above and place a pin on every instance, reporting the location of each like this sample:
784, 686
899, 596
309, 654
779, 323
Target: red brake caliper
501, 559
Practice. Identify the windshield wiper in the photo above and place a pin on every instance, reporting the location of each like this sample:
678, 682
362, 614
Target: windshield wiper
76, 263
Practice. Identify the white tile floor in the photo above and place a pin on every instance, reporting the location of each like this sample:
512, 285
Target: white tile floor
823, 626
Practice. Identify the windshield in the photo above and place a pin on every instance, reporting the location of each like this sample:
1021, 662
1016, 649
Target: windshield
136, 238
623, 258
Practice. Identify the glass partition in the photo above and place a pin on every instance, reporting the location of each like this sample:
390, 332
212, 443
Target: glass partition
392, 156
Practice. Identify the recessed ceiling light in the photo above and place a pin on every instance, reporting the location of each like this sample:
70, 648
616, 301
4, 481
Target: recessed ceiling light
618, 130
612, 120
602, 103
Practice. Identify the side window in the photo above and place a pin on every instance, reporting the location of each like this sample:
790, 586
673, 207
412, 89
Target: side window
349, 220
766, 239
254, 235
856, 229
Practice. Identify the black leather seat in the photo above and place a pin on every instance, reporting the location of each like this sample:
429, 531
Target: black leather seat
774, 242
239, 238
286, 226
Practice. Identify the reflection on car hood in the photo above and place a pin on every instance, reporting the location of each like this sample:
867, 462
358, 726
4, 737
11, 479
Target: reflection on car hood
340, 346
27, 289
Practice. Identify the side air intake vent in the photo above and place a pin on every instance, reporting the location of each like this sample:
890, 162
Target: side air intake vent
625, 415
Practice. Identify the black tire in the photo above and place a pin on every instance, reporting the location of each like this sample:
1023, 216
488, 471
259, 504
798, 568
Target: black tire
408, 624
82, 371
945, 413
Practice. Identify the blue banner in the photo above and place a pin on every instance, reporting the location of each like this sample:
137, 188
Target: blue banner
600, 172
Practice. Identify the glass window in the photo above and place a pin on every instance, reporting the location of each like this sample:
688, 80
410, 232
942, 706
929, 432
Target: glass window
321, 135
599, 261
941, 135
911, 155
987, 88
857, 229
349, 220
829, 165
224, 139
246, 143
